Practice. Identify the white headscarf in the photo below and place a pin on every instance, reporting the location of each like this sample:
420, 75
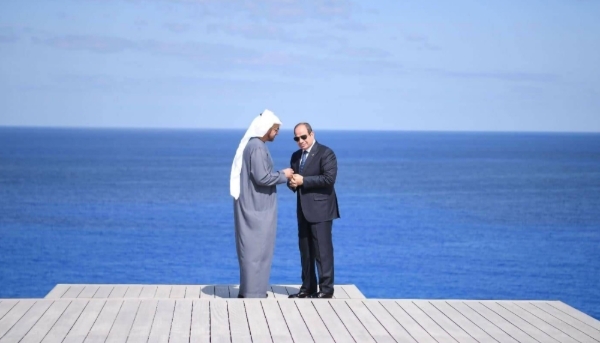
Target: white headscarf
259, 127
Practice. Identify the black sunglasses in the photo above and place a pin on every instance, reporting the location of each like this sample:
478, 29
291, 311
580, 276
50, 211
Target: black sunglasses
304, 137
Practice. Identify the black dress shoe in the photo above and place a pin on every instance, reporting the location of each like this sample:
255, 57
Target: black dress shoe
301, 294
321, 295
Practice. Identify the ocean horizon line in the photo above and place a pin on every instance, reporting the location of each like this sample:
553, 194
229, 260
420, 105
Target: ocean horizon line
140, 128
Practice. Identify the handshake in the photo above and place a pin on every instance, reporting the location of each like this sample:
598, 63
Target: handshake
294, 180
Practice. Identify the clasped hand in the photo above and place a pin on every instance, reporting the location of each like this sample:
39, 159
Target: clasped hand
294, 180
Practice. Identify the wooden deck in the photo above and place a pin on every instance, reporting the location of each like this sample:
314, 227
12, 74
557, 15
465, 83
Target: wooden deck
181, 291
161, 318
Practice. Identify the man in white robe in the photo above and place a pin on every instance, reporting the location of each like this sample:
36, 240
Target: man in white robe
253, 187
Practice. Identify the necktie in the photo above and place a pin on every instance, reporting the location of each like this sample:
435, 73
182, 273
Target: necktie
303, 159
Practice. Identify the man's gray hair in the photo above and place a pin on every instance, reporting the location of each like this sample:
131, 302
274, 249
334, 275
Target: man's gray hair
307, 125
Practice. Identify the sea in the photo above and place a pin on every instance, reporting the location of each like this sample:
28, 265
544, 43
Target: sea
424, 215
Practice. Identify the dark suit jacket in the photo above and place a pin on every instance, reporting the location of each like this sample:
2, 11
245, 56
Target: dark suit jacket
316, 197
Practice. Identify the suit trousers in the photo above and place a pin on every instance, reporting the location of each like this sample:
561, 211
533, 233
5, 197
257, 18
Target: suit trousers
316, 248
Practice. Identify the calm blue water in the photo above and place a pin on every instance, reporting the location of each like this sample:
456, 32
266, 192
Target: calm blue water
424, 215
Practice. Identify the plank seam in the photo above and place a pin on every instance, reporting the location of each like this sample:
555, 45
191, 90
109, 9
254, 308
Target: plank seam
484, 317
550, 314
301, 316
285, 321
247, 320
350, 333
57, 319
457, 311
394, 318
416, 321
455, 323
322, 321
97, 289
433, 320
114, 320
533, 314
577, 319
377, 319
360, 321
523, 319
65, 292
172, 320
98, 316
21, 317
510, 322
15, 304
75, 322
229, 320
32, 326
132, 322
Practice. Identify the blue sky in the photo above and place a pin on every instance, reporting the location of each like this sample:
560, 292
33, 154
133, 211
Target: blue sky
338, 64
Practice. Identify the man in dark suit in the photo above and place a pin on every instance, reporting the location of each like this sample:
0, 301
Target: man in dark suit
315, 171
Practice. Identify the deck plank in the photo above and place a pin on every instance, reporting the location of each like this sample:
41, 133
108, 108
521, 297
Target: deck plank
352, 324
14, 315
6, 305
555, 322
29, 319
415, 330
46, 322
444, 322
124, 321
317, 328
339, 293
140, 330
559, 305
364, 315
66, 321
519, 322
537, 322
436, 331
192, 291
279, 292
103, 291
163, 292
161, 327
579, 325
463, 322
118, 291
200, 330
259, 329
506, 326
222, 292
182, 317
177, 292
295, 322
148, 291
332, 321
133, 292
73, 291
489, 327
277, 325
57, 291
101, 328
88, 291
84, 323
219, 321
238, 322
353, 292
208, 291
397, 331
